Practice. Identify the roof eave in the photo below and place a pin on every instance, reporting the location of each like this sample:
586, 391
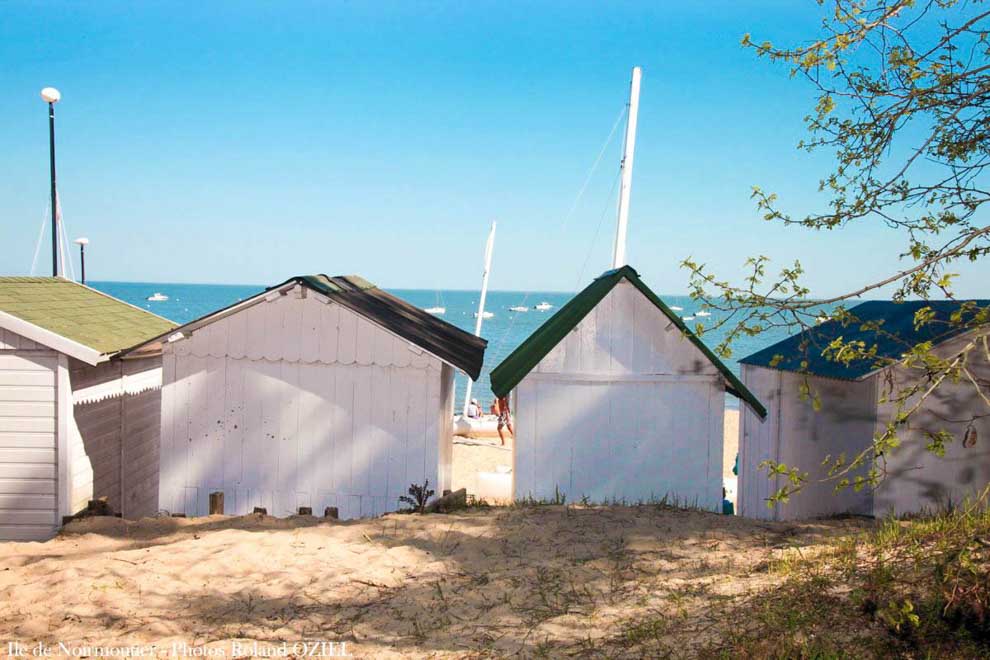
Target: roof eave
733, 384
53, 340
280, 289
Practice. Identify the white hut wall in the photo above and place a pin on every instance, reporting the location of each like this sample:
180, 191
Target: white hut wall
916, 479
297, 401
114, 435
797, 435
623, 408
758, 441
28, 439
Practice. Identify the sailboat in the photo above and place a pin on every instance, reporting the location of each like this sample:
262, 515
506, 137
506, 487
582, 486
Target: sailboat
438, 308
486, 424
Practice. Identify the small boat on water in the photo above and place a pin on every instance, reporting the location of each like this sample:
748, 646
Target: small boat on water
703, 313
485, 315
439, 311
543, 306
676, 308
687, 318
157, 297
518, 308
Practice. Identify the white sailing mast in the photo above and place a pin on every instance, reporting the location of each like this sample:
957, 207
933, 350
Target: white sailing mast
481, 305
628, 153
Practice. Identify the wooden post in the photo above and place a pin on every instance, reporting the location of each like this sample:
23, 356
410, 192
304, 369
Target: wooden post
331, 512
305, 511
262, 510
216, 503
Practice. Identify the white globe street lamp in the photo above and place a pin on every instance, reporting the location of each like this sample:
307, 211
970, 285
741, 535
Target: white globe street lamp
82, 242
52, 96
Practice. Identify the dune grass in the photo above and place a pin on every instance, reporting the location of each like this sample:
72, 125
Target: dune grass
908, 588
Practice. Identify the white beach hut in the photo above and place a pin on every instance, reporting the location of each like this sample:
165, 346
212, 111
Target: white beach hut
76, 420
853, 410
616, 399
319, 392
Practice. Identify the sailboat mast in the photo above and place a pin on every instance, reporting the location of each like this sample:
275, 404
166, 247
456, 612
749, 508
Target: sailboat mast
629, 150
481, 304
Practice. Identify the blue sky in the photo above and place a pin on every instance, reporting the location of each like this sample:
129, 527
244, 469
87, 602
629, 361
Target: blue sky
246, 142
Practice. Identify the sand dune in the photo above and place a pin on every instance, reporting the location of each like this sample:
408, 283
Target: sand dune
495, 581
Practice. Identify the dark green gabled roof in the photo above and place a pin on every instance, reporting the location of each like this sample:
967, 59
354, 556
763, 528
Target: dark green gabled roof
79, 313
524, 359
444, 340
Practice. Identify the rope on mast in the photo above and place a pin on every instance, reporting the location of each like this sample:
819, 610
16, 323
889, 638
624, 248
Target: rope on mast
570, 213
41, 237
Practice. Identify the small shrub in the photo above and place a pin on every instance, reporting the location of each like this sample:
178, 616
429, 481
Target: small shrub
417, 498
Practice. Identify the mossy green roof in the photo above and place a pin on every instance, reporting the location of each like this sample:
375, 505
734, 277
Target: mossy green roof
527, 355
79, 313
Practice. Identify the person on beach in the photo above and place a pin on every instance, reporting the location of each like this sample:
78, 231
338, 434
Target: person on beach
501, 409
474, 409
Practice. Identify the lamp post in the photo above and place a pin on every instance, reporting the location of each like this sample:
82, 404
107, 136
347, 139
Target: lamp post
82, 242
51, 96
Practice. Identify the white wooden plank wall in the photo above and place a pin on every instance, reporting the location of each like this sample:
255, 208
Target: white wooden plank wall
758, 441
623, 408
298, 402
11, 341
114, 442
28, 460
918, 480
620, 441
798, 436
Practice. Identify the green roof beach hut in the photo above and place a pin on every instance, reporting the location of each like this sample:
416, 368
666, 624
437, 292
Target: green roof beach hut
617, 400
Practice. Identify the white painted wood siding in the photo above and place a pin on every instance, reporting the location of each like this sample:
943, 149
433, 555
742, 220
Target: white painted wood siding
918, 480
114, 441
623, 408
300, 402
28, 448
11, 341
795, 434
626, 335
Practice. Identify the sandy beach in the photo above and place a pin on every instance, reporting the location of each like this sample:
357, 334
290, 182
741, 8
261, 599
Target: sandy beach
528, 580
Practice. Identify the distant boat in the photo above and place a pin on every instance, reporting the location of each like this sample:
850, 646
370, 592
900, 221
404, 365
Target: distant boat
703, 313
518, 308
157, 297
439, 311
676, 308
485, 315
687, 318
543, 306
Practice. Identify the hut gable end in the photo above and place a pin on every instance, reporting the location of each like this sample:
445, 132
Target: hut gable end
301, 328
626, 335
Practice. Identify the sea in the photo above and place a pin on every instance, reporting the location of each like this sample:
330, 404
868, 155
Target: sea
504, 331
